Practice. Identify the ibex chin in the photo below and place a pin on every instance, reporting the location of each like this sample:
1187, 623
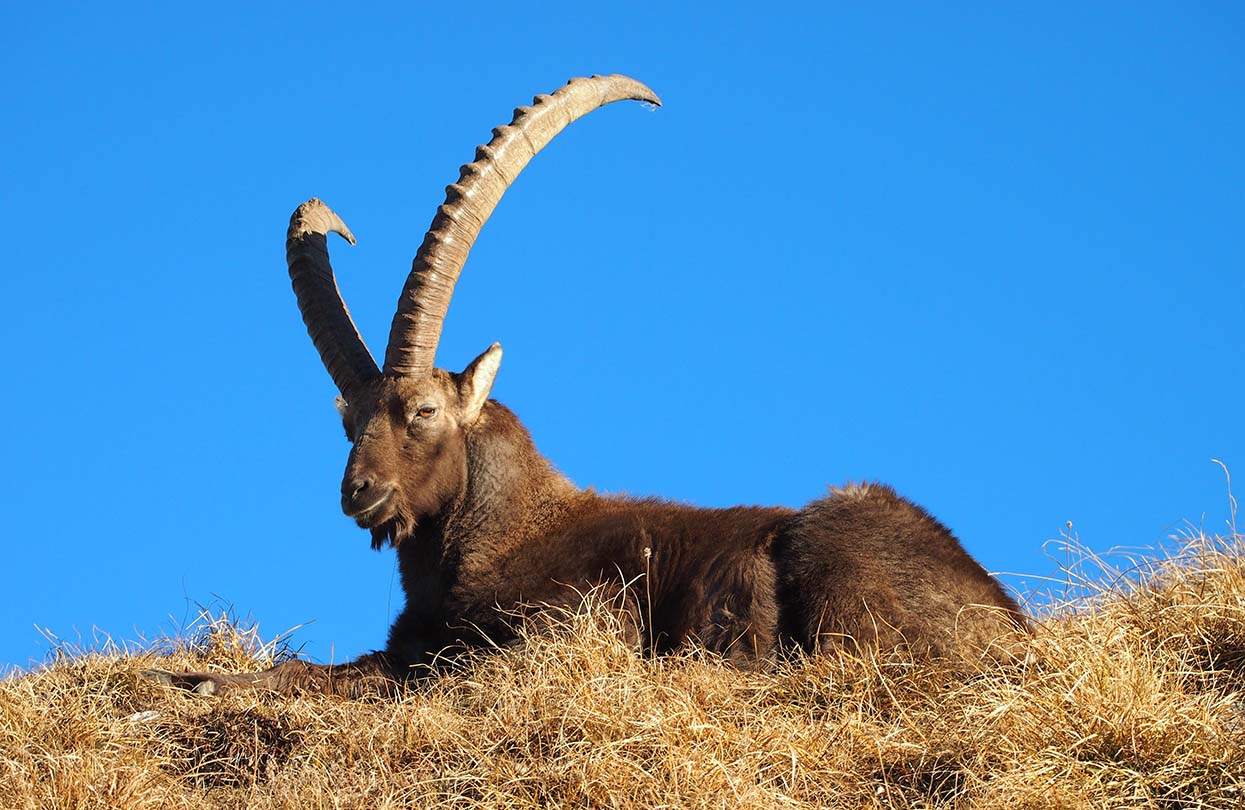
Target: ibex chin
484, 526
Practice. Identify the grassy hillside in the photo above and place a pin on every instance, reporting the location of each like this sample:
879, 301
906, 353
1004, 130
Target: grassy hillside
1131, 695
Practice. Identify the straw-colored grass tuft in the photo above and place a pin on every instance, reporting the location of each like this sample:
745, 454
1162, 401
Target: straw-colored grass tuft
1129, 694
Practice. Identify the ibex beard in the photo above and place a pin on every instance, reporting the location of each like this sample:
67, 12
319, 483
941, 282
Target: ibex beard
484, 526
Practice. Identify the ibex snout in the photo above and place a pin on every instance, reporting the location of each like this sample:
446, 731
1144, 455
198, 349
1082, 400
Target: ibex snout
363, 497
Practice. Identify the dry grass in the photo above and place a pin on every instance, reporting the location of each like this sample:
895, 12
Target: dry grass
1131, 695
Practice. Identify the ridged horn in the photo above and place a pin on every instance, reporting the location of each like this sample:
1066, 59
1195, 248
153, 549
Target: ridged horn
324, 312
469, 203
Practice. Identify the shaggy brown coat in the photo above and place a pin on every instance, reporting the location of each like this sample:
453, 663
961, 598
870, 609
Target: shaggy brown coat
862, 566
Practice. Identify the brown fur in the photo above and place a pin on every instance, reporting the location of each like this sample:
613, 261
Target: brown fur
482, 521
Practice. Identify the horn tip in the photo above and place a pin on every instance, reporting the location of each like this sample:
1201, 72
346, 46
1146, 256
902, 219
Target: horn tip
314, 216
635, 90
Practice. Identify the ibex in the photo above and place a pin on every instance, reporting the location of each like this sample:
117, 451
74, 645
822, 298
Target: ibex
484, 526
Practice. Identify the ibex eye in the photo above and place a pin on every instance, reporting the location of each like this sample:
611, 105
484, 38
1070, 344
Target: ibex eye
425, 412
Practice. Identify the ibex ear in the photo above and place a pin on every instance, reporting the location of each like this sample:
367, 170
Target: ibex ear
477, 380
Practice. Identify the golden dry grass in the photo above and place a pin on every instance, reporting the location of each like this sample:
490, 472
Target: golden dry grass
1130, 695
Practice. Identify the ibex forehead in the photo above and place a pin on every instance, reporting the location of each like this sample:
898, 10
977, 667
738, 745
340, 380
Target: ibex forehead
439, 387
399, 393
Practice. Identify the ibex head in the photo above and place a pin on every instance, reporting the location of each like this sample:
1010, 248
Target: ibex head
409, 422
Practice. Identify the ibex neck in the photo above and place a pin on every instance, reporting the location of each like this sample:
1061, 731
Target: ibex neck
512, 492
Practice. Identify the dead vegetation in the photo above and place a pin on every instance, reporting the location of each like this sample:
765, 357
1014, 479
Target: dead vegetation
1131, 695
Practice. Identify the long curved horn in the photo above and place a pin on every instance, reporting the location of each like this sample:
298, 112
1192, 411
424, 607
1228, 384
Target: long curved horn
328, 321
469, 203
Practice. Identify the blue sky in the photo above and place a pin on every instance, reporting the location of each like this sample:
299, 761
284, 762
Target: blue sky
991, 256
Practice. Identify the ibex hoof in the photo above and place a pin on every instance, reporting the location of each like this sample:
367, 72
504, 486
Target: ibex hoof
200, 683
157, 675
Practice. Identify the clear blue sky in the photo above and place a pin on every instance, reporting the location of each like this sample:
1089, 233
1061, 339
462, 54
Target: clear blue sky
995, 258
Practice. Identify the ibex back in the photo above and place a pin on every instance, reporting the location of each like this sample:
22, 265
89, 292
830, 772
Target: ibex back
484, 525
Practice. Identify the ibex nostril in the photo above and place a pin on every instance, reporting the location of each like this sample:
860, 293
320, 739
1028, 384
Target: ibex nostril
355, 487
